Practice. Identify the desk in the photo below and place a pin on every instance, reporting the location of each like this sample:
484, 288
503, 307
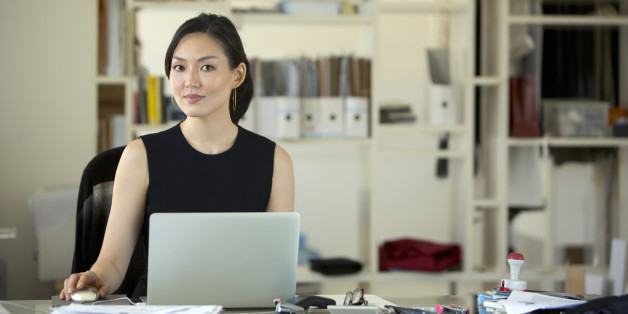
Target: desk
468, 301
43, 306
32, 306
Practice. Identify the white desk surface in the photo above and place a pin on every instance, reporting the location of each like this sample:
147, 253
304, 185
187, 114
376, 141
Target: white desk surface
43, 306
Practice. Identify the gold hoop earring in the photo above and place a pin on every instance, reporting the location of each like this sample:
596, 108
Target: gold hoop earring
234, 99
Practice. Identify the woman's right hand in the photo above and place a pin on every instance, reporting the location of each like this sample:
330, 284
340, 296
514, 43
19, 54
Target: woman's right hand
80, 280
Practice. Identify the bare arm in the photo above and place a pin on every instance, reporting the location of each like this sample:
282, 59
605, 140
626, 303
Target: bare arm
282, 193
123, 227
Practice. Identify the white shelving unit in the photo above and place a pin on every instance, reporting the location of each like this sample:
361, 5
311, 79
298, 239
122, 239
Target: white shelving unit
407, 199
441, 210
497, 24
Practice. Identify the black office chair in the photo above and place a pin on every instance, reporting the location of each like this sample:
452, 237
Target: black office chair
94, 204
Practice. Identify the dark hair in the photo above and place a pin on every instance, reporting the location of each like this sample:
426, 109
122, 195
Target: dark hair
221, 29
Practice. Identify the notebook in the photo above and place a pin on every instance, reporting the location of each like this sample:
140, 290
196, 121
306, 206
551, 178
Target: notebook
236, 260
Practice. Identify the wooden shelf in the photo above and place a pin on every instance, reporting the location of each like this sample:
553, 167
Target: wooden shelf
424, 7
571, 20
422, 128
418, 153
325, 141
277, 18
488, 80
487, 202
404, 276
199, 5
113, 80
584, 142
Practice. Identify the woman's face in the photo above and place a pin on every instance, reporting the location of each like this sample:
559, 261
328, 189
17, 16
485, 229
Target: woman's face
200, 76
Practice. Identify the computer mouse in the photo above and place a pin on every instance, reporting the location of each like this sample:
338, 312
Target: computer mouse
306, 301
86, 294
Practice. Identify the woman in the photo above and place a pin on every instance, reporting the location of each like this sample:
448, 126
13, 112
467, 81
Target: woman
207, 163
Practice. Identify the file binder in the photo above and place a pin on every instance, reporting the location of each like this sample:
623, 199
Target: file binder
278, 117
287, 117
310, 117
332, 116
356, 117
443, 107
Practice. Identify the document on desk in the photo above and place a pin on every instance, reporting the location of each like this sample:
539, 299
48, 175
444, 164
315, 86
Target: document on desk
139, 309
524, 302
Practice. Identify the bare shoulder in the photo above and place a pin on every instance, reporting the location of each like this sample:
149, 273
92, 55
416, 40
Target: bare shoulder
133, 164
135, 152
282, 156
282, 193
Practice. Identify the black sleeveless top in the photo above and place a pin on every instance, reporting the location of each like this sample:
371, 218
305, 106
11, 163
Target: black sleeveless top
182, 179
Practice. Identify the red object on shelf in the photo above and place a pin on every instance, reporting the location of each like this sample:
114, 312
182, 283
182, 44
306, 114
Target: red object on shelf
517, 256
412, 254
524, 118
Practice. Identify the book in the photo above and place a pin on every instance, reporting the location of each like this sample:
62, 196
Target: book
159, 107
396, 113
151, 104
115, 36
324, 81
102, 38
118, 130
365, 71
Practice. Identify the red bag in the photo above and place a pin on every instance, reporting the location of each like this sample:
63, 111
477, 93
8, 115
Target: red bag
524, 119
411, 254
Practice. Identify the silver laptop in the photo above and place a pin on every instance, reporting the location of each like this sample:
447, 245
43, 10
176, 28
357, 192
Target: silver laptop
237, 260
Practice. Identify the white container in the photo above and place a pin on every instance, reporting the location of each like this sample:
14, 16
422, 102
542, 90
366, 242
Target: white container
278, 117
332, 116
356, 122
311, 116
442, 107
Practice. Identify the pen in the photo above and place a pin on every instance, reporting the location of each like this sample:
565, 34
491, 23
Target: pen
451, 309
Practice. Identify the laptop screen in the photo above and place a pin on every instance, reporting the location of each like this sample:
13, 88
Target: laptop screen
237, 260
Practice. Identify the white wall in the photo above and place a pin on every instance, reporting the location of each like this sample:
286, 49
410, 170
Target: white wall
47, 128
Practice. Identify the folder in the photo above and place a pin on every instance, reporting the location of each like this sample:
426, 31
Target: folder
310, 117
278, 117
442, 107
356, 117
265, 116
332, 116
287, 117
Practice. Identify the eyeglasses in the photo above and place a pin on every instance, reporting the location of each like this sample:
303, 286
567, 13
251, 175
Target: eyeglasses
355, 297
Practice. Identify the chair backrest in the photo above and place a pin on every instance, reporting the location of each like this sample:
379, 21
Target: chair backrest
94, 204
